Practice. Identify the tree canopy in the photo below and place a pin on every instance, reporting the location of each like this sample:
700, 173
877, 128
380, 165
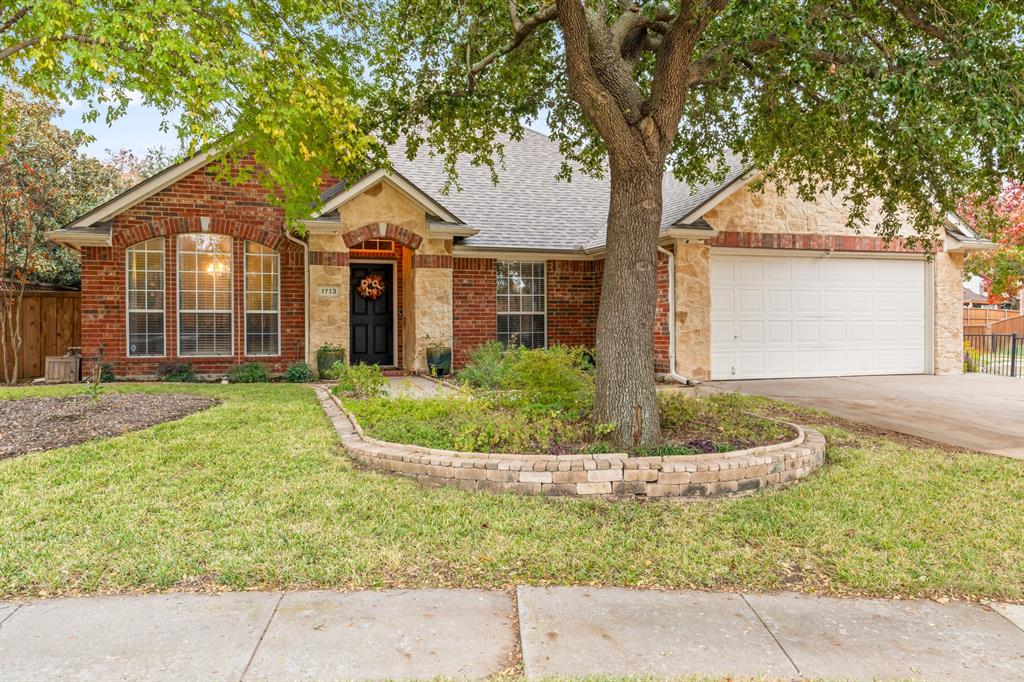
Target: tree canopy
46, 181
278, 76
1000, 219
911, 102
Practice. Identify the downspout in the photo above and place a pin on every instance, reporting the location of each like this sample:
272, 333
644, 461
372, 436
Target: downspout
672, 318
305, 272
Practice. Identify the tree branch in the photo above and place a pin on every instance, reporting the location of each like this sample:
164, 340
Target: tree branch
526, 27
15, 18
29, 42
919, 22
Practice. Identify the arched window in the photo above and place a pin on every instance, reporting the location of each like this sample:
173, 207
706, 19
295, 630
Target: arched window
145, 285
204, 295
262, 300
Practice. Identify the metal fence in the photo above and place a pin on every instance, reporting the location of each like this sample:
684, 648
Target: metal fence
1001, 354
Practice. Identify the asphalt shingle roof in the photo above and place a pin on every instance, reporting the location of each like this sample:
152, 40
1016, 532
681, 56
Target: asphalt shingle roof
529, 208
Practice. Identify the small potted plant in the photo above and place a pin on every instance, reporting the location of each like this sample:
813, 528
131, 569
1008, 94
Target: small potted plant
439, 357
327, 355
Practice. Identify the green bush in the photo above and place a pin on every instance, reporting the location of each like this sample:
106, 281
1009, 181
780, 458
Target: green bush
358, 381
299, 373
248, 373
107, 373
465, 422
486, 366
557, 378
176, 371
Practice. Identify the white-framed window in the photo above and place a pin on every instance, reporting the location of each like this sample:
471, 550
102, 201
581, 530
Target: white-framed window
262, 300
205, 319
144, 272
522, 303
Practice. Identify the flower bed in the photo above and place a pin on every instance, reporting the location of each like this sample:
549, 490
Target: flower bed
725, 474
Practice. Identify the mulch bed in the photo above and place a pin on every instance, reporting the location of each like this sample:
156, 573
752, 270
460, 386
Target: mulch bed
31, 424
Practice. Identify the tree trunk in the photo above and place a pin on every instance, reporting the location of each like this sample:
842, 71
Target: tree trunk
625, 324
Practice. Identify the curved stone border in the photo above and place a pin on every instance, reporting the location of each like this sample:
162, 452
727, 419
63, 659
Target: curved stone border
727, 474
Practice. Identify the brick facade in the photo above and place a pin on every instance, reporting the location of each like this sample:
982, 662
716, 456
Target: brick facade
661, 321
241, 212
474, 310
574, 289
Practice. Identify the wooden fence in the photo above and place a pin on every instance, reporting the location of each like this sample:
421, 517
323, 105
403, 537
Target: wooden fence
1011, 325
986, 316
50, 322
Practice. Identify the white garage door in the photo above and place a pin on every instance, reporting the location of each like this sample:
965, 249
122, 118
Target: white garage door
805, 316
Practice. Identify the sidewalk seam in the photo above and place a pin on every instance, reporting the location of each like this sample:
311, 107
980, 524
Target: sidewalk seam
769, 631
998, 611
252, 656
8, 616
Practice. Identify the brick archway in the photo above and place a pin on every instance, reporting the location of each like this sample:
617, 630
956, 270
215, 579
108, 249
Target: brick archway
402, 235
182, 225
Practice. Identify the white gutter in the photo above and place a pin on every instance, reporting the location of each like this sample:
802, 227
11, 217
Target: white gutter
672, 317
305, 272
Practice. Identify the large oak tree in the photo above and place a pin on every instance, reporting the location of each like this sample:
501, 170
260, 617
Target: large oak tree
908, 103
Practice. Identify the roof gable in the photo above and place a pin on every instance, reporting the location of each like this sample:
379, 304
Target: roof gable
339, 195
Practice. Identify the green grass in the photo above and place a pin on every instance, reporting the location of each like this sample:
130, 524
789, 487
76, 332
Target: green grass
256, 493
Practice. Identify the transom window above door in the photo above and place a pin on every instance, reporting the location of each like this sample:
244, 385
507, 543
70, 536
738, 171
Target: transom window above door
205, 294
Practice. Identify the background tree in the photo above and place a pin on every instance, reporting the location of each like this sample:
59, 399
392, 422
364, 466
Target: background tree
43, 161
1000, 219
22, 195
276, 76
908, 102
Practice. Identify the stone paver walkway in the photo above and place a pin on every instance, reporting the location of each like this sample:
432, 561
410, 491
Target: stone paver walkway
473, 633
415, 387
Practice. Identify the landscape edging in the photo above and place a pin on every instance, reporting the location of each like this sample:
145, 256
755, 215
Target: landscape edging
610, 475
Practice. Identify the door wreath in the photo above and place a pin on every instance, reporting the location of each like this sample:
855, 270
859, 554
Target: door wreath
371, 287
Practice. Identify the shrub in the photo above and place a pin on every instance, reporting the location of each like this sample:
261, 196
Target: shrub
299, 373
359, 381
557, 378
486, 366
248, 373
464, 422
107, 373
176, 371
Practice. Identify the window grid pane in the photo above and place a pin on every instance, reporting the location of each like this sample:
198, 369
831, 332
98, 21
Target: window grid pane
522, 303
145, 305
262, 298
204, 294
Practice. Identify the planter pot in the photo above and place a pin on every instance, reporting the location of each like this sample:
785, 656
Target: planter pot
439, 360
325, 359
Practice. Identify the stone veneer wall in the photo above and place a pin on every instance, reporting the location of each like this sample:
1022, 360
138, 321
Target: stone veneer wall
693, 310
949, 327
240, 211
608, 475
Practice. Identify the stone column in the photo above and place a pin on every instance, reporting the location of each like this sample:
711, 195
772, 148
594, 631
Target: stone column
433, 300
693, 309
328, 295
949, 315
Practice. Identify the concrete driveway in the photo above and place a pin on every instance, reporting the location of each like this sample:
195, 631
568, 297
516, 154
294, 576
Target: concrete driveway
974, 411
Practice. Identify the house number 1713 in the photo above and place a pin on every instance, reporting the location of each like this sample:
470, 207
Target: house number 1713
328, 292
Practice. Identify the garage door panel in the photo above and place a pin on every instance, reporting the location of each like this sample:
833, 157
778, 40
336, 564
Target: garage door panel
816, 316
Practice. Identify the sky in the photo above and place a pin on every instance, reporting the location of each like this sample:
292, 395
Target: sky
137, 131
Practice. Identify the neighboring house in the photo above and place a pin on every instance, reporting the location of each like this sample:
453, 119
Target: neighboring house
751, 285
973, 299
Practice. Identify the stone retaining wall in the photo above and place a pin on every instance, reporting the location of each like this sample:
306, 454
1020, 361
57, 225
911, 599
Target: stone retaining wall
726, 474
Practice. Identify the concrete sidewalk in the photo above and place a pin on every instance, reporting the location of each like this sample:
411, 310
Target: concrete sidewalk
473, 634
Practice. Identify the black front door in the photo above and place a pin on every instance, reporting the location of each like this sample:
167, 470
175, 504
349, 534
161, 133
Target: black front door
372, 319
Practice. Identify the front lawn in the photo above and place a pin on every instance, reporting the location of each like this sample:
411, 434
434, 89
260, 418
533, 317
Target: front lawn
256, 493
